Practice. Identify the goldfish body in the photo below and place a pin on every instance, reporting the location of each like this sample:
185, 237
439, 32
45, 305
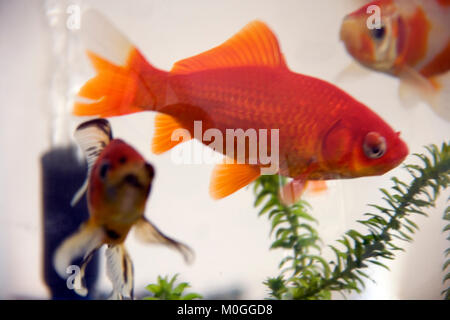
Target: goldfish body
244, 83
412, 43
119, 182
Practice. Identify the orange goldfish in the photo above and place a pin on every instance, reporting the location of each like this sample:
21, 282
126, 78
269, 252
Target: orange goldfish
412, 42
119, 182
245, 84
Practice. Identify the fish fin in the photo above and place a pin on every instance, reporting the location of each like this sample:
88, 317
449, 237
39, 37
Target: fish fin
292, 191
440, 103
79, 281
119, 87
165, 127
316, 186
92, 137
414, 88
81, 244
149, 233
119, 269
228, 178
254, 45
80, 192
354, 71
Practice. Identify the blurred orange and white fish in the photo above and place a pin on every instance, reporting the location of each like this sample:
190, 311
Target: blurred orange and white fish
412, 43
118, 184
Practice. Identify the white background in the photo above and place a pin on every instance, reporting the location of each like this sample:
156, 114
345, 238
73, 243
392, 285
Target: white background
230, 241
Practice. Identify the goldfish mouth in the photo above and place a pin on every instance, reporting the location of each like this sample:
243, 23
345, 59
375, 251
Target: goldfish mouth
133, 180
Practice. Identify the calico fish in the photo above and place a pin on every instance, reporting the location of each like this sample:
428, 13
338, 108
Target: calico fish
412, 42
118, 184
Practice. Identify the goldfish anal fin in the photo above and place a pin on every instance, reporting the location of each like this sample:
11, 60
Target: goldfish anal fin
169, 132
119, 269
254, 45
149, 233
228, 178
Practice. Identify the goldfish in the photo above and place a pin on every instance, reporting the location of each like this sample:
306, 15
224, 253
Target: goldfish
118, 184
411, 42
244, 83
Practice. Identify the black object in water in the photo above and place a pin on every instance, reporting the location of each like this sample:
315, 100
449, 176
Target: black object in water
62, 176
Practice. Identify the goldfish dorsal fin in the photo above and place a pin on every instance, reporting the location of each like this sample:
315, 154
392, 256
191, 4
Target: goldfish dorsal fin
92, 137
254, 45
166, 137
228, 178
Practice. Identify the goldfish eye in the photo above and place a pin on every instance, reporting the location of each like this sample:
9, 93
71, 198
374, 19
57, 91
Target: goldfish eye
103, 170
378, 33
374, 145
122, 160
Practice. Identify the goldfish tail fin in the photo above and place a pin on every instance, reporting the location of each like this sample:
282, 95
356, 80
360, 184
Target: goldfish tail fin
149, 233
119, 269
92, 137
414, 88
228, 178
82, 244
121, 84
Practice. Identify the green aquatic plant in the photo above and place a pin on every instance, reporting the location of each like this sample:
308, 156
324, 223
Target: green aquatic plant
291, 225
304, 274
446, 266
165, 289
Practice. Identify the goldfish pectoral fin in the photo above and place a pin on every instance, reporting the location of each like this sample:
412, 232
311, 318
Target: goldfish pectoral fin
292, 191
440, 101
118, 87
149, 233
81, 244
434, 91
119, 269
414, 87
228, 178
92, 137
316, 186
79, 194
169, 132
254, 45
354, 71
